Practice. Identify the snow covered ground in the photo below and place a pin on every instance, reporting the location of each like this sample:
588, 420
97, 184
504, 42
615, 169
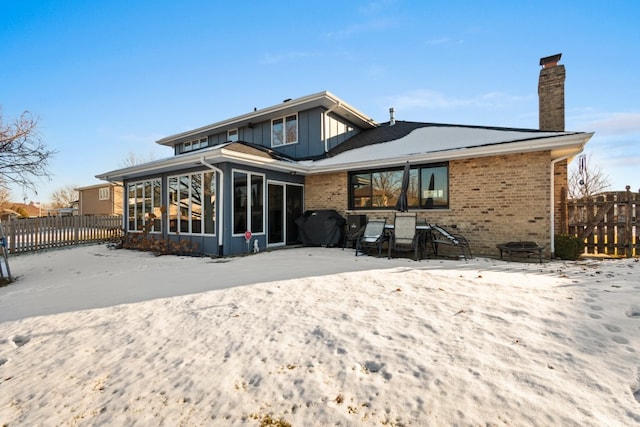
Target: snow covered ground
316, 337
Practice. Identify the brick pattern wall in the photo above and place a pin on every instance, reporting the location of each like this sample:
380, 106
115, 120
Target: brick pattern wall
551, 98
492, 199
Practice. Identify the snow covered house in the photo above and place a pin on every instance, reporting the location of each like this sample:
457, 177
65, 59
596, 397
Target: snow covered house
260, 171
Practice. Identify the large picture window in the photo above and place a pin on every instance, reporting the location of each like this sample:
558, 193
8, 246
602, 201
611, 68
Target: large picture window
192, 203
144, 206
248, 202
284, 130
428, 188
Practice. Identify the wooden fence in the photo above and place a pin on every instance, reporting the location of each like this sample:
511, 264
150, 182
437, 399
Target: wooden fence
34, 234
607, 222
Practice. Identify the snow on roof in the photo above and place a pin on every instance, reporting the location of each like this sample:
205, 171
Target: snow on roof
431, 140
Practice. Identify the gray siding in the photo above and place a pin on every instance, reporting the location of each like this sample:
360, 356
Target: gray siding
310, 135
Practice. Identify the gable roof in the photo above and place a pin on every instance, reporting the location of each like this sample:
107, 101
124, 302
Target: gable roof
321, 99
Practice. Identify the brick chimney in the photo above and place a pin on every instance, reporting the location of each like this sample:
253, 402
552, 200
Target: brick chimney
551, 94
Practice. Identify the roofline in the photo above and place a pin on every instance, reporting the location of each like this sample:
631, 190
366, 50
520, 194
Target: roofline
220, 153
94, 186
325, 98
559, 146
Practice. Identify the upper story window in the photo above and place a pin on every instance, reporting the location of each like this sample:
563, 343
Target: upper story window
103, 193
194, 144
232, 135
284, 130
428, 188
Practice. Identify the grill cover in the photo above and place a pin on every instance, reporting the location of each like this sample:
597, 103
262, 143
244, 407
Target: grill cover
322, 227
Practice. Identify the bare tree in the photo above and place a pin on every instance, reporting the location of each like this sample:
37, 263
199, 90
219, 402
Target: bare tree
64, 197
586, 178
5, 194
133, 159
23, 155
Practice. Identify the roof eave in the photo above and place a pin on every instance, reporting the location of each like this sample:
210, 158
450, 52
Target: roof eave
321, 99
194, 160
559, 146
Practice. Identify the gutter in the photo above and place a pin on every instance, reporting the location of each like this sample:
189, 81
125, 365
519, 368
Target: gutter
220, 202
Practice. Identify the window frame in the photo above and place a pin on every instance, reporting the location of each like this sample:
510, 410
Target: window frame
285, 134
416, 170
233, 135
143, 205
195, 144
183, 185
104, 193
249, 203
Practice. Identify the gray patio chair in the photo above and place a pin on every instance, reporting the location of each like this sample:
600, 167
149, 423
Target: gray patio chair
441, 236
405, 237
373, 236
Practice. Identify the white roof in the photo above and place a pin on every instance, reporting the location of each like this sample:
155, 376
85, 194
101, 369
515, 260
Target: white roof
441, 143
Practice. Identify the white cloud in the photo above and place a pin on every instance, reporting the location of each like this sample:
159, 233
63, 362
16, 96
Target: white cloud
433, 100
373, 25
275, 58
619, 124
443, 41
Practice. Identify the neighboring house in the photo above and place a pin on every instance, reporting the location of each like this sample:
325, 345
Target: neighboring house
100, 199
12, 210
258, 172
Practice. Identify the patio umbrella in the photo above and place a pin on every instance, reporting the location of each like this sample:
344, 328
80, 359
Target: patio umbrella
430, 193
402, 204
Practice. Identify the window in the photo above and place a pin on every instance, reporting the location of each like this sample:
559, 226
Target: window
192, 203
144, 206
103, 193
195, 144
428, 188
284, 130
248, 202
232, 135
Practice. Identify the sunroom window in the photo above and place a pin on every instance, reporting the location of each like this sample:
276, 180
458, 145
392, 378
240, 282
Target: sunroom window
144, 206
192, 203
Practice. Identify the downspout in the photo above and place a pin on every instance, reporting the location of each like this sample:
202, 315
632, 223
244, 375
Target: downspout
220, 201
324, 127
553, 200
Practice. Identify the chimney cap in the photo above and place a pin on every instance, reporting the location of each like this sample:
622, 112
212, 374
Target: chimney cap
550, 61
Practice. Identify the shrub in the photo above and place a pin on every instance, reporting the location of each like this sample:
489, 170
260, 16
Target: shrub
568, 247
146, 242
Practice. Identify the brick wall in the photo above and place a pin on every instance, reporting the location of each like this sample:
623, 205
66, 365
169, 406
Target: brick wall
492, 199
551, 98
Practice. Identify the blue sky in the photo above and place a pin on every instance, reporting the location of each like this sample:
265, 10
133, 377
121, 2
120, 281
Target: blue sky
108, 78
